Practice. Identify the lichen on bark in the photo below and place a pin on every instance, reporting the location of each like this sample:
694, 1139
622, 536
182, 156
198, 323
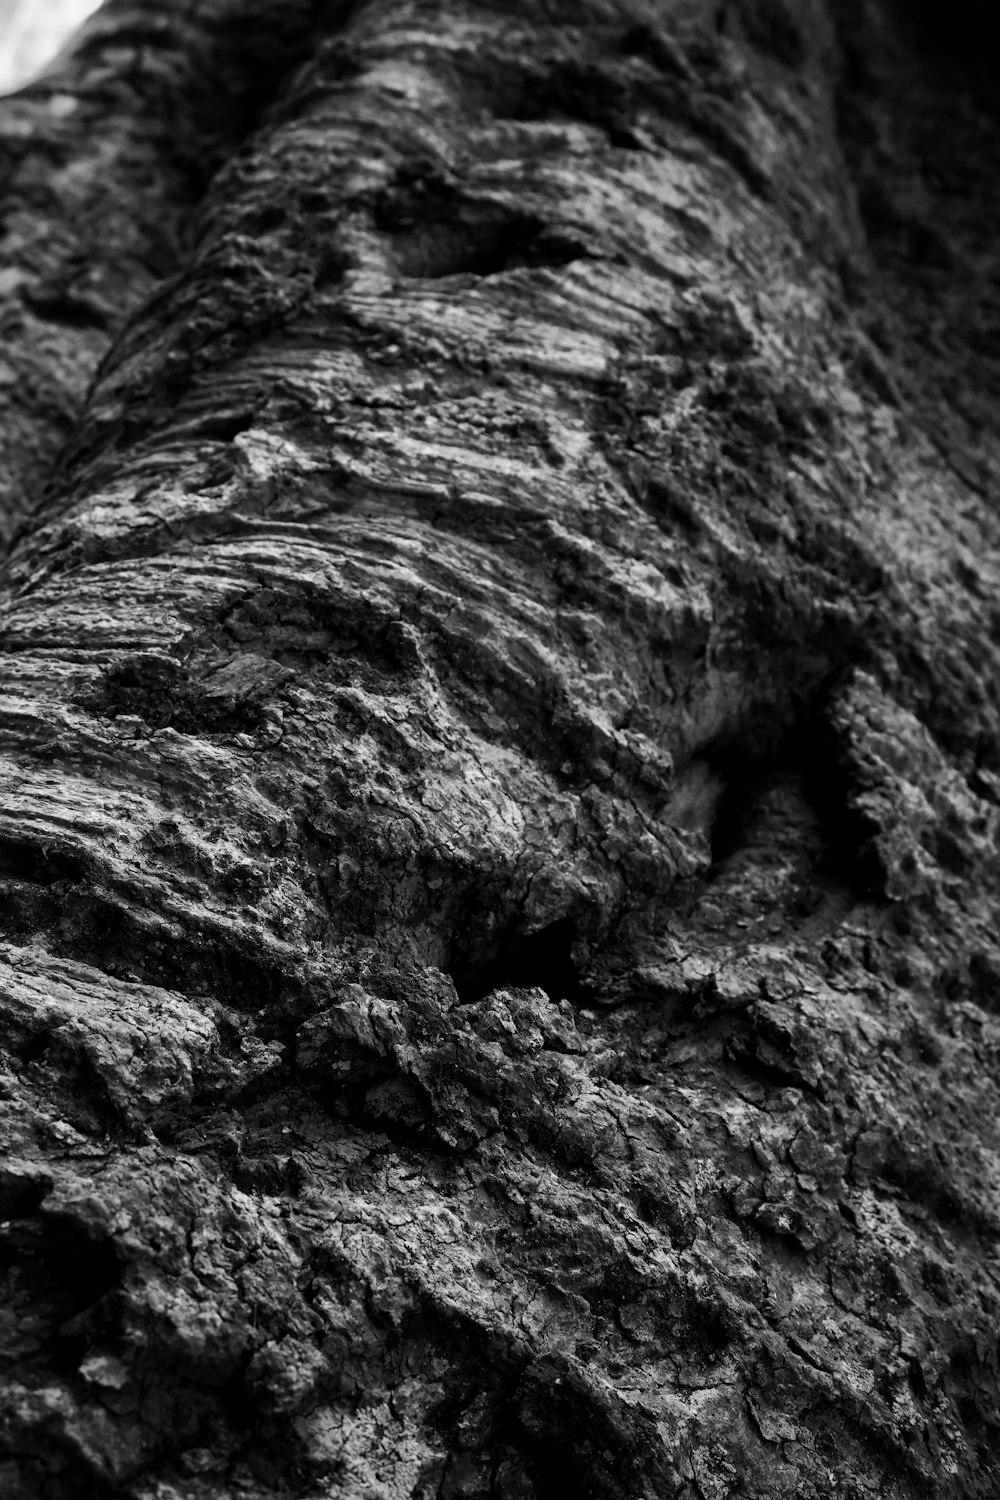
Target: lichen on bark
501, 778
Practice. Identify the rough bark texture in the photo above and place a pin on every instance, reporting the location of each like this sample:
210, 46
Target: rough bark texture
501, 759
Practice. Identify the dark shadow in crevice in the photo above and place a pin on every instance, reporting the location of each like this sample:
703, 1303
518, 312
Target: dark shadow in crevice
484, 246
579, 1438
965, 31
788, 788
88, 926
166, 693
67, 310
53, 1274
542, 960
437, 226
765, 1063
40, 863
744, 783
331, 269
21, 1197
219, 427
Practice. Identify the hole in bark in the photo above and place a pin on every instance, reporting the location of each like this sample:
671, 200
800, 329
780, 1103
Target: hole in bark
918, 1381
788, 793
164, 694
543, 960
20, 1197
221, 426
984, 981
420, 190
67, 310
485, 247
36, 1047
40, 864
580, 1439
331, 271
438, 230
528, 242
52, 1273
270, 219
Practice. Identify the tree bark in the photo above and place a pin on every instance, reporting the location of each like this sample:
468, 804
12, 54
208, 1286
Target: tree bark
499, 846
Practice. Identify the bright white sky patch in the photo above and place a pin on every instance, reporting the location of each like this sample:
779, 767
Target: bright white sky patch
32, 32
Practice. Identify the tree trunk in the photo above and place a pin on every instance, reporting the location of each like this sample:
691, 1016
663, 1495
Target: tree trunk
499, 847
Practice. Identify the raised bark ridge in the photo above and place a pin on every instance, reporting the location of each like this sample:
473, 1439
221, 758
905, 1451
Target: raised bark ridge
501, 774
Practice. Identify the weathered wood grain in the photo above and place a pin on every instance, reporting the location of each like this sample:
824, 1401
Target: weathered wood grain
500, 764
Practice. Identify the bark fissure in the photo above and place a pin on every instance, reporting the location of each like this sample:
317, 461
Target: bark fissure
109, 156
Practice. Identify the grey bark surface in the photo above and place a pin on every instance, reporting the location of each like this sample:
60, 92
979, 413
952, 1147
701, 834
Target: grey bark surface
500, 971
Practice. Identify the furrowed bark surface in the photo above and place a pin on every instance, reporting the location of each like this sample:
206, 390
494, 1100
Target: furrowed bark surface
102, 164
501, 763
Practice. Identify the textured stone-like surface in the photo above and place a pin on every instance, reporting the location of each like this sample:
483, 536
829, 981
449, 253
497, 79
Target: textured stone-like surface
500, 763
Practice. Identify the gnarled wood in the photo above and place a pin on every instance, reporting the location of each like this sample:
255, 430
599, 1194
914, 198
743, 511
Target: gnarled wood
499, 844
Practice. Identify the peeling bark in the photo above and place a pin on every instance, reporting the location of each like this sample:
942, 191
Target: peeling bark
498, 852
